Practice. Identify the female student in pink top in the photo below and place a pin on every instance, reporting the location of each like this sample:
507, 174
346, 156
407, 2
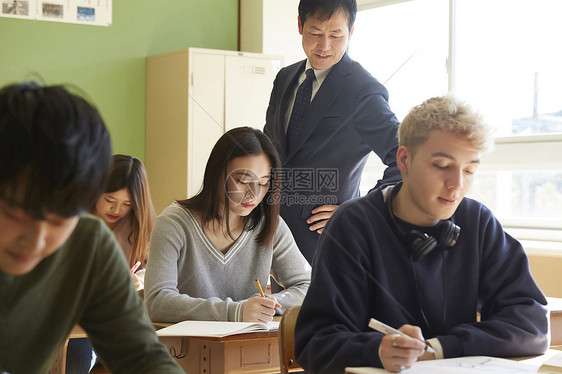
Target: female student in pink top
127, 209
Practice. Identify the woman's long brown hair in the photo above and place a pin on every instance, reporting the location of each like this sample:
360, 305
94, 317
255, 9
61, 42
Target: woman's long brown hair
129, 172
238, 142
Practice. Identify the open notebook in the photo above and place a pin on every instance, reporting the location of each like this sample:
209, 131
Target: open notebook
547, 363
216, 329
464, 365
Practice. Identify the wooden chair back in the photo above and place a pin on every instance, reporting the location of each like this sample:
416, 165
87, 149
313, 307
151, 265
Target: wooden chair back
287, 340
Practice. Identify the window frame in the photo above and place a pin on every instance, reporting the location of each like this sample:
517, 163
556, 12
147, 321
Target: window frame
510, 153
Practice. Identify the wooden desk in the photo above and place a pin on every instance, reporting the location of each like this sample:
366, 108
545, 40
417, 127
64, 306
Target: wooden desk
555, 307
241, 353
256, 352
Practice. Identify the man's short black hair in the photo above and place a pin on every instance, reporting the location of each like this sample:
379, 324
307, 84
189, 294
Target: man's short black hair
55, 150
324, 9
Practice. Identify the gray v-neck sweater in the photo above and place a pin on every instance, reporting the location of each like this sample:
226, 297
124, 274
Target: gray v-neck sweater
188, 278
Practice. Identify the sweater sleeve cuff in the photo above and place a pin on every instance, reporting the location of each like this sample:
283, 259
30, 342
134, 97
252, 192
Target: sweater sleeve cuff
238, 312
436, 345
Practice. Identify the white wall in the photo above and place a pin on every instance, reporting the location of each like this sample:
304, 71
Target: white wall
271, 27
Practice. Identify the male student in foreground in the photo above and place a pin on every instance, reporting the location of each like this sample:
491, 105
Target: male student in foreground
59, 267
421, 258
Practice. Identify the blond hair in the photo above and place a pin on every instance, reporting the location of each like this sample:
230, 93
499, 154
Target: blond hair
446, 113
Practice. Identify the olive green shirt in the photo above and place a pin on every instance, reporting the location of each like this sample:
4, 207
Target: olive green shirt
84, 282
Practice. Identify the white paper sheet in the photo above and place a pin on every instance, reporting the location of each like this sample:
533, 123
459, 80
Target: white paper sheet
460, 365
215, 328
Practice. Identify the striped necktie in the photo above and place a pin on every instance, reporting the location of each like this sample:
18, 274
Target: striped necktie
302, 99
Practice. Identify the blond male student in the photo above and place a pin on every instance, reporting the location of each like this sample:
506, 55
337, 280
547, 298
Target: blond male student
58, 266
422, 258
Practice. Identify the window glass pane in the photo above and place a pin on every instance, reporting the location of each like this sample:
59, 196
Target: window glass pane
484, 189
405, 47
508, 63
524, 198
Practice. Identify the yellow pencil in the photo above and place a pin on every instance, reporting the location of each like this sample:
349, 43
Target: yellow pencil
259, 288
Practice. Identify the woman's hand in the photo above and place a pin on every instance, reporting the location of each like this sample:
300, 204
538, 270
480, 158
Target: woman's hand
259, 309
139, 285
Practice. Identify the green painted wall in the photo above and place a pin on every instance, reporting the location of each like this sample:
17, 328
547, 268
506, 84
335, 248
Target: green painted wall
108, 63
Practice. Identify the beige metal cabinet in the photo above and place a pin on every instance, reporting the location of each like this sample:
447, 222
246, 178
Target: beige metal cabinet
193, 96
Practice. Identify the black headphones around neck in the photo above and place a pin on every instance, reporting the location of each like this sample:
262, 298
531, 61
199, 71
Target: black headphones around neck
419, 242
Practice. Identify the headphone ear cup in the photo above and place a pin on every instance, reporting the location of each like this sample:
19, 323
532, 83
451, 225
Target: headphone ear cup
449, 234
421, 244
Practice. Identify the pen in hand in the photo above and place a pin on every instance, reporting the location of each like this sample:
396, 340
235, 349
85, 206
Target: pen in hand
259, 288
385, 329
135, 267
277, 305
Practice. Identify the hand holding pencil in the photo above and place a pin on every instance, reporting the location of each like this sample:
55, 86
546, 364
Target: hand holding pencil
139, 285
386, 329
135, 267
259, 308
259, 288
400, 349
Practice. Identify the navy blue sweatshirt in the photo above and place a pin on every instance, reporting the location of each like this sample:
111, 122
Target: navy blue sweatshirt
363, 268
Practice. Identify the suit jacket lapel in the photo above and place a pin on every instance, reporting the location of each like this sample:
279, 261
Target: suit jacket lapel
288, 87
333, 85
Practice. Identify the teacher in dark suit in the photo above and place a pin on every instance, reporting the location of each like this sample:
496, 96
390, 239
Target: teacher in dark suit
325, 115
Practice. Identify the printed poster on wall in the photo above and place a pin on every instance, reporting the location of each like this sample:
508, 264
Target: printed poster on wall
87, 12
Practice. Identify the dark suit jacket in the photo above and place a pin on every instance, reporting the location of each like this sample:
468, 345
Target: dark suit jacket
348, 118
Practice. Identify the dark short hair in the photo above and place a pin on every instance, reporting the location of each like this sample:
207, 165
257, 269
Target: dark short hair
324, 9
238, 142
53, 145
